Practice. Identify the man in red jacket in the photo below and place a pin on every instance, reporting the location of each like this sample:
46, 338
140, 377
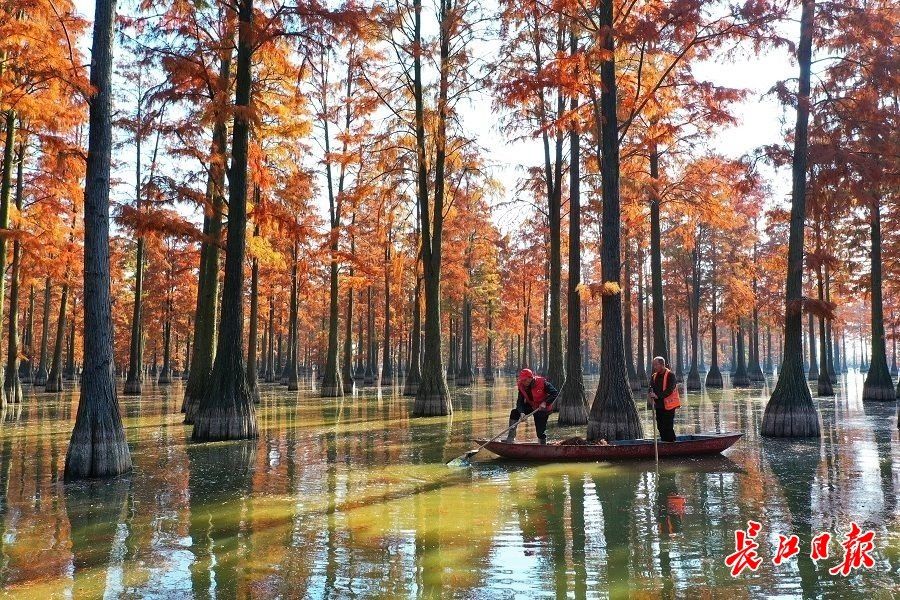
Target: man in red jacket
536, 395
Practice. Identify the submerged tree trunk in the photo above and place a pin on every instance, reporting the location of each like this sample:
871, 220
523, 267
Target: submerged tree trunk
40, 377
641, 358
741, 377
226, 410
878, 384
633, 379
54, 379
414, 375
11, 381
97, 447
26, 367
433, 395
270, 349
660, 347
790, 411
693, 379
5, 189
613, 414
813, 357
714, 375
205, 314
572, 402
253, 333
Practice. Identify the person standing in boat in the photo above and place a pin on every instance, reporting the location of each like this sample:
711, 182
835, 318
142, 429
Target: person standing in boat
664, 394
536, 395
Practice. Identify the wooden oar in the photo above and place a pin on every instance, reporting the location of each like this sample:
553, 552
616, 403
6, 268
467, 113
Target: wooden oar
465, 459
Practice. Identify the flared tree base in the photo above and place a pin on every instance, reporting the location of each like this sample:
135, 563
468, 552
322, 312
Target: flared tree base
40, 378
293, 384
432, 397
572, 403
693, 383
813, 374
756, 375
741, 380
714, 379
464, 380
825, 388
386, 380
12, 388
97, 448
790, 411
165, 377
411, 383
225, 422
878, 392
489, 378
613, 414
332, 391
54, 384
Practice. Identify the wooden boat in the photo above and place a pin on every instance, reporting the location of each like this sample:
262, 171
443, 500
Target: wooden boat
684, 445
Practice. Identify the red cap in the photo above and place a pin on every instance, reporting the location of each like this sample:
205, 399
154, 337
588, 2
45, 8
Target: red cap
526, 374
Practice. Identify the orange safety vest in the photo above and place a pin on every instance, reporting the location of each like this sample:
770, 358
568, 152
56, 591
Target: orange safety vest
673, 400
537, 393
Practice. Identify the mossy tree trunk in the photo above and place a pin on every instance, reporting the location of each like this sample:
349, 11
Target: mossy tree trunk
226, 410
97, 447
613, 415
790, 411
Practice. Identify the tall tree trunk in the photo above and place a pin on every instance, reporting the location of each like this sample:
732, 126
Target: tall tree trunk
489, 376
133, 379
5, 190
660, 347
741, 377
641, 358
790, 411
332, 386
97, 447
693, 379
253, 333
347, 372
26, 367
387, 370
813, 357
226, 410
205, 315
433, 395
411, 384
613, 415
371, 375
714, 375
290, 377
69, 371
633, 379
270, 349
878, 384
12, 384
572, 402
165, 376
679, 350
40, 378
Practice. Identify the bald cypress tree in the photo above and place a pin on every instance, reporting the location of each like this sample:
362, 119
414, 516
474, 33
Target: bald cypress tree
97, 447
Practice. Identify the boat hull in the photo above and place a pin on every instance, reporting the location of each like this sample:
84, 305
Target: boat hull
685, 445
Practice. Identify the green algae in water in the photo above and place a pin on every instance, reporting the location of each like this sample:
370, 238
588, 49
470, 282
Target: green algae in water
352, 497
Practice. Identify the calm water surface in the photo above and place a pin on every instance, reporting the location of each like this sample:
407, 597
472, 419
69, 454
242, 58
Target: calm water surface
352, 498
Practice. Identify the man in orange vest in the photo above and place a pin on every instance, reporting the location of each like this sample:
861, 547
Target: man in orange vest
664, 394
536, 395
